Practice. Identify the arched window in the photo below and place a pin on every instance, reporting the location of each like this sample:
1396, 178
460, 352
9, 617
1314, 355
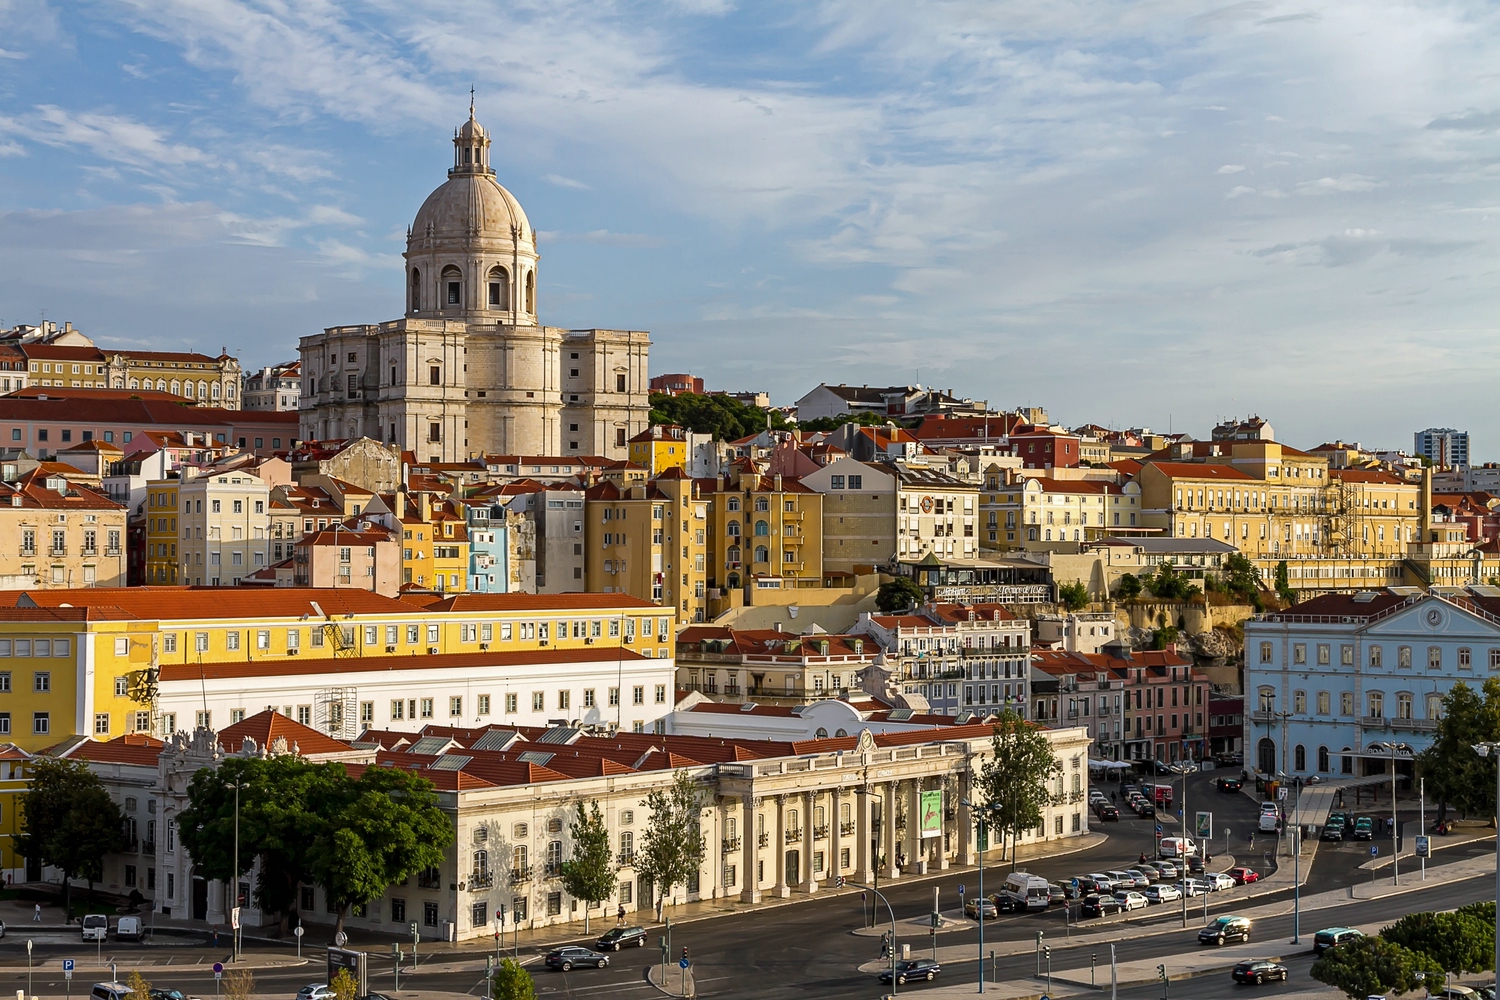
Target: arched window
1266, 755
762, 503
481, 862
161, 385
215, 390
118, 383
518, 858
1346, 763
762, 554
732, 554
793, 821
202, 390
499, 288
732, 529
176, 388
1299, 758
762, 529
734, 503
627, 844
821, 734
1323, 759
452, 284
734, 580
531, 292
841, 733
416, 289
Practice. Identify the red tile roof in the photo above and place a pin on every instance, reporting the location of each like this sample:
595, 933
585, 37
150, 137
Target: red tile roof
543, 602
133, 748
268, 726
1195, 470
159, 603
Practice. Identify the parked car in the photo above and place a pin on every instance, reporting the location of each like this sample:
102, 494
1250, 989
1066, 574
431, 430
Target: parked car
1162, 893
1167, 868
1108, 813
1364, 828
128, 929
974, 907
622, 937
1332, 937
1131, 900
1102, 882
1225, 929
1243, 876
1056, 894
916, 968
1256, 973
95, 927
160, 994
1004, 902
1095, 905
1144, 872
1219, 880
1143, 808
1193, 887
315, 991
1453, 992
1334, 828
1229, 784
1123, 879
1195, 864
566, 958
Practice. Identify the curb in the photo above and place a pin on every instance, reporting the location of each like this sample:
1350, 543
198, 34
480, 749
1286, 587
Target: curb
690, 990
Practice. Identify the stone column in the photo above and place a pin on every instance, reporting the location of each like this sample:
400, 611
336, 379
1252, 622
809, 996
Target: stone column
218, 892
916, 849
949, 802
888, 828
965, 831
805, 849
835, 836
864, 834
778, 844
749, 851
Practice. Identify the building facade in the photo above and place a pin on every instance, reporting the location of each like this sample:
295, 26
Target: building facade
1443, 446
275, 387
470, 369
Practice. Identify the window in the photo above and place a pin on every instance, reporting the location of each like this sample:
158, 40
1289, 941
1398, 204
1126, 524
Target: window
1434, 657
1299, 702
1403, 657
1323, 759
1299, 758
426, 708
101, 724
1265, 652
661, 694
455, 706
638, 695
398, 709
483, 704
1322, 702
1323, 654
41, 681
1299, 652
1346, 703
1374, 704
538, 701
1375, 656
511, 701
41, 723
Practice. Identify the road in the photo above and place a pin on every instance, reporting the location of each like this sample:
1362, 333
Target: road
808, 950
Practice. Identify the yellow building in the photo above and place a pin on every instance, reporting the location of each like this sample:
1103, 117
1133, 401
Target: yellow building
765, 531
163, 659
649, 540
55, 533
434, 542
1039, 513
161, 532
666, 446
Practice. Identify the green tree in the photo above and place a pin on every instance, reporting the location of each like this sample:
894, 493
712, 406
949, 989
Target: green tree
1483, 910
68, 821
1283, 584
512, 982
1073, 596
725, 417
672, 846
1457, 942
1170, 585
864, 418
1241, 579
1370, 965
1456, 775
899, 594
377, 831
1014, 779
1164, 636
590, 874
1129, 587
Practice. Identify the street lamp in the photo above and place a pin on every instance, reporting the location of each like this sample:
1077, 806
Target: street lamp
234, 930
979, 904
1406, 752
1486, 750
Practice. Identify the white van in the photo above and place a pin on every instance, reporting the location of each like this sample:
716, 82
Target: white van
109, 991
1029, 891
1178, 847
1268, 821
95, 927
128, 929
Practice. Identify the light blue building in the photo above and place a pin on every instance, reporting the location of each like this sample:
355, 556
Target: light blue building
1331, 677
488, 571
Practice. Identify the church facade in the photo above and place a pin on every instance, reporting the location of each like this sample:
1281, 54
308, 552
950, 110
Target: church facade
470, 370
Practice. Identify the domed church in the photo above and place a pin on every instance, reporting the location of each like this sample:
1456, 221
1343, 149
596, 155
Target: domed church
470, 370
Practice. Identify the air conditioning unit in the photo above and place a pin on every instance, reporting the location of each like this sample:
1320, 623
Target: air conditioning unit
390, 649
589, 641
484, 645
432, 650
629, 640
293, 651
541, 642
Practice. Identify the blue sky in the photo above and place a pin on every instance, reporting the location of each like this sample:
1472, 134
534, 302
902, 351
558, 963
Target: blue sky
1132, 213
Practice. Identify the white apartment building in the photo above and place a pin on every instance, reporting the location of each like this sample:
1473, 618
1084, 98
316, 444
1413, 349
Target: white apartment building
960, 658
225, 523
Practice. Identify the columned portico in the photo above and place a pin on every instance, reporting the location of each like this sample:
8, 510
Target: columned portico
888, 828
964, 849
805, 850
778, 845
749, 850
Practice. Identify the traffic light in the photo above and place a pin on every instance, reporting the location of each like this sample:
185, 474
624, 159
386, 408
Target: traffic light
1047, 952
841, 882
1161, 973
684, 953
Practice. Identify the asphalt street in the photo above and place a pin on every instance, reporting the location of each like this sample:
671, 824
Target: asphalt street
808, 949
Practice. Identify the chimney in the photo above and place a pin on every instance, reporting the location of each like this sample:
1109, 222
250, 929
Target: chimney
777, 626
425, 501
777, 480
401, 503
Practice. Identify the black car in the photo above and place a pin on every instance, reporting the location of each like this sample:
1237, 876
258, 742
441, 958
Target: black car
916, 968
1256, 973
622, 937
1225, 929
1006, 903
1095, 905
566, 958
1230, 784
1195, 864
1143, 807
1108, 812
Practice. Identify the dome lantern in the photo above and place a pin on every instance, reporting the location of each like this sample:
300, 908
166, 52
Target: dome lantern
471, 146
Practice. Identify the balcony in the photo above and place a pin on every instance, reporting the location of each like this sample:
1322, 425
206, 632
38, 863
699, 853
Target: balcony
730, 844
626, 859
88, 550
820, 832
763, 840
794, 836
846, 829
57, 551
552, 869
28, 552
148, 847
521, 875
481, 880
1262, 716
1415, 725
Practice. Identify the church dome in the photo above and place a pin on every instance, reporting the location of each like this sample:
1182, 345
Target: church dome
468, 206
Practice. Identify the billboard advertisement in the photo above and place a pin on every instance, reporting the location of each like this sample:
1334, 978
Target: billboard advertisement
932, 813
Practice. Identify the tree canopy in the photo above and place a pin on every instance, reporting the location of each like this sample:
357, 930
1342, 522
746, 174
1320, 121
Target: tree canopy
1013, 781
1129, 587
1457, 942
725, 417
1169, 585
1457, 776
899, 594
512, 982
312, 823
590, 874
1372, 965
1073, 596
68, 820
672, 846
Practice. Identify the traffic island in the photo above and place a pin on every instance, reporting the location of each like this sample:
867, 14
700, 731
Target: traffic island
673, 980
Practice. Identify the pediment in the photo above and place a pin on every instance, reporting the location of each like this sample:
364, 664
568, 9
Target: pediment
1435, 618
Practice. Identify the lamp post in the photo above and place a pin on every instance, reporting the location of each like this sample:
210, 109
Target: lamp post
1405, 751
979, 904
234, 877
1488, 750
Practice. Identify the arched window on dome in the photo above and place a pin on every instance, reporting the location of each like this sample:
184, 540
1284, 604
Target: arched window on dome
499, 288
452, 284
531, 292
416, 289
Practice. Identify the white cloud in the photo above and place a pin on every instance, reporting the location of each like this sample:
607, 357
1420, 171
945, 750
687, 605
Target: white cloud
119, 138
1230, 168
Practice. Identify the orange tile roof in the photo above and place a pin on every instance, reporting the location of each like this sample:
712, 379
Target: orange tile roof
266, 727
158, 603
542, 602
132, 748
1195, 470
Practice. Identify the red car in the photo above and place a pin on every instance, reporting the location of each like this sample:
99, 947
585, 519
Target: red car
1243, 876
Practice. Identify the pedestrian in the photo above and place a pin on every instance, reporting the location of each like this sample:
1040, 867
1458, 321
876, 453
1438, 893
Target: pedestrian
216, 936
620, 915
1252, 840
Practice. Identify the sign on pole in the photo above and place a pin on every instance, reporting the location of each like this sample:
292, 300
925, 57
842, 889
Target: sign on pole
354, 962
960, 889
1374, 851
234, 917
1204, 826
931, 813
1423, 848
218, 970
682, 963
